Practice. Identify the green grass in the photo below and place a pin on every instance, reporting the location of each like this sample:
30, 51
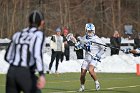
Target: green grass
69, 83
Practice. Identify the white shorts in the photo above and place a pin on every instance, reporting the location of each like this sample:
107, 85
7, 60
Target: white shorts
86, 63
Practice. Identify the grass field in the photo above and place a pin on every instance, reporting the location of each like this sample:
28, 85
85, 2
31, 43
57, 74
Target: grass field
69, 83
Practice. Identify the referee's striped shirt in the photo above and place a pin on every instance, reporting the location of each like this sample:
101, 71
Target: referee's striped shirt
26, 49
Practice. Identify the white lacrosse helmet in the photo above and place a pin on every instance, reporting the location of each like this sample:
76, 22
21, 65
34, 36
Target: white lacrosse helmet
90, 27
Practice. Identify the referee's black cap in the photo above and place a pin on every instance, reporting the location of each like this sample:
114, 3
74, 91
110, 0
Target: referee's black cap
35, 18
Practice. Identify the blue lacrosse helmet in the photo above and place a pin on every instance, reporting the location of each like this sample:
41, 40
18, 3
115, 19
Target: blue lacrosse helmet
90, 30
90, 27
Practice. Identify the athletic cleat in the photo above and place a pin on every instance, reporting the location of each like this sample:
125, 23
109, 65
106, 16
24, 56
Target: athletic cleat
81, 89
97, 86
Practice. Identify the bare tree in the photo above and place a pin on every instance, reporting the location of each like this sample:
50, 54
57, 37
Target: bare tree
108, 15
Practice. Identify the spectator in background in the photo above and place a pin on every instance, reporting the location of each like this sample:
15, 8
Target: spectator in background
57, 46
137, 43
66, 45
115, 42
79, 52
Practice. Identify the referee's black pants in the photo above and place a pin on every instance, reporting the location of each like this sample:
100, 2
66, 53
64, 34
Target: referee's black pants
21, 79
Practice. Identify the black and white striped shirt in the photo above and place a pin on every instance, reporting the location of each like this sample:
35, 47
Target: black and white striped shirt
26, 49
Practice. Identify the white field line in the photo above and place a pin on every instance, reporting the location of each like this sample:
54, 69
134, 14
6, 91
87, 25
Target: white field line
111, 88
92, 80
2, 85
123, 87
86, 80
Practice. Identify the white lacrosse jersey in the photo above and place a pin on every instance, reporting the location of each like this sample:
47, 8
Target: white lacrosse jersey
95, 49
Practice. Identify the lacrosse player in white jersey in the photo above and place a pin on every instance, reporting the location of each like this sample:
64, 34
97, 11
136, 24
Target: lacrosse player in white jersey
93, 52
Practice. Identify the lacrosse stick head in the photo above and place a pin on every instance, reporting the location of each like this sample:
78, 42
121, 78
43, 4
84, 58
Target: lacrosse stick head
70, 37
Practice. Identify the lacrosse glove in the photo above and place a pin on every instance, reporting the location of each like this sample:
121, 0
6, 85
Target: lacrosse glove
97, 58
126, 51
77, 46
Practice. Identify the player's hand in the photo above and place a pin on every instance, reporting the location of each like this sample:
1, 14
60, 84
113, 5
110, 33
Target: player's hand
126, 51
105, 49
77, 46
98, 58
41, 82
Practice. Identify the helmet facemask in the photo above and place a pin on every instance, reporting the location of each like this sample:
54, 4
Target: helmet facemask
90, 33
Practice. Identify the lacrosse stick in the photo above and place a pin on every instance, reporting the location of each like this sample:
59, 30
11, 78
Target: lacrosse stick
70, 37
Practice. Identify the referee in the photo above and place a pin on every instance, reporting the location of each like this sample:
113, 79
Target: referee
24, 55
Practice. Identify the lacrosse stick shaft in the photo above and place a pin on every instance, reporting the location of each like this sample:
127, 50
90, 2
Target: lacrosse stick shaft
93, 56
107, 46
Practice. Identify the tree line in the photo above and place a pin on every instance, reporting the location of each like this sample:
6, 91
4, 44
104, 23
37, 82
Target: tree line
107, 15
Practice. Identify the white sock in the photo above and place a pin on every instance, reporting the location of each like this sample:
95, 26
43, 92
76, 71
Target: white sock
96, 82
82, 86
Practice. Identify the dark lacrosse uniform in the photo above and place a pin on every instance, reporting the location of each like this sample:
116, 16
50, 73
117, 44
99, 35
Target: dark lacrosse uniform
24, 55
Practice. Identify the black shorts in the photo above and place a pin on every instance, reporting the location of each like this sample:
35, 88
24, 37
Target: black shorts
21, 79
